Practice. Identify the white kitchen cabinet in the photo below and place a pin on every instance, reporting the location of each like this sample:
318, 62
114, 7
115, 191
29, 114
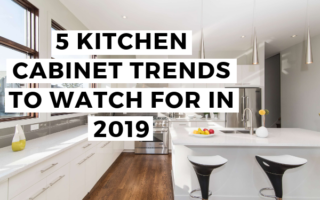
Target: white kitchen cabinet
37, 191
91, 169
104, 157
59, 184
4, 189
83, 174
183, 124
19, 183
77, 183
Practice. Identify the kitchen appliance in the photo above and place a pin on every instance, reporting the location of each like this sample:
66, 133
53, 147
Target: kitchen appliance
160, 143
249, 97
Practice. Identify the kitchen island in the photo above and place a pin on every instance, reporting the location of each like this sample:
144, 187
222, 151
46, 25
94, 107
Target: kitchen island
242, 177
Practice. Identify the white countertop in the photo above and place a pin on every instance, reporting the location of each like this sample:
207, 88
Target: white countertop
278, 137
38, 150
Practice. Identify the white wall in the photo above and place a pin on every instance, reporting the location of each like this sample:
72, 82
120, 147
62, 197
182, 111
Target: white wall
48, 10
300, 87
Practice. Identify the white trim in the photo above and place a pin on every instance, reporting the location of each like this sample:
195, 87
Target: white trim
128, 150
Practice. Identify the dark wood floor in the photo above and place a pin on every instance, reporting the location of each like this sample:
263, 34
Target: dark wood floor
135, 177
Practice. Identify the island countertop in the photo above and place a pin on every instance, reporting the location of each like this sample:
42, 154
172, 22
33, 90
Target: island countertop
278, 137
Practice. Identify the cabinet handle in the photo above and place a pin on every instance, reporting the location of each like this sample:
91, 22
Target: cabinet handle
86, 146
90, 156
82, 161
58, 179
182, 124
105, 144
40, 192
52, 165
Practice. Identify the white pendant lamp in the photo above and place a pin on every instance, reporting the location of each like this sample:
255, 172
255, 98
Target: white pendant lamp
202, 52
309, 58
255, 54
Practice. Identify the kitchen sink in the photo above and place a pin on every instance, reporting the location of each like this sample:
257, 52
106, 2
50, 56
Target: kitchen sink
236, 131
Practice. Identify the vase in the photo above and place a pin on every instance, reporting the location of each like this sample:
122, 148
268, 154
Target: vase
262, 132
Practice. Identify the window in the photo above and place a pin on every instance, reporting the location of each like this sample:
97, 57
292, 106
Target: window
55, 26
18, 40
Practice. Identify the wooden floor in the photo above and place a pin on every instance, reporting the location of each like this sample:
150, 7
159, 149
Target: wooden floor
135, 177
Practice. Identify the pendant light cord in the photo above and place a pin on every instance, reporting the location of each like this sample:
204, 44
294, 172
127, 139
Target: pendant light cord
201, 15
253, 21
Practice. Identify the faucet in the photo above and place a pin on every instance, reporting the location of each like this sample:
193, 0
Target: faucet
250, 120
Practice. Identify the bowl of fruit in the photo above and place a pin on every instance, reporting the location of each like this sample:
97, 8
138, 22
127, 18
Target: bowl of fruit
203, 133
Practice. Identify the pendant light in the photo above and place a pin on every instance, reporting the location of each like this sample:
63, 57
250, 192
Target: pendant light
202, 52
309, 58
255, 54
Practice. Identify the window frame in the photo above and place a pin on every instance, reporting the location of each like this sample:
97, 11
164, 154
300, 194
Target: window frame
31, 49
55, 25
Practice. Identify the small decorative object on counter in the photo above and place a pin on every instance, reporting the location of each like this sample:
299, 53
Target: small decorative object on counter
19, 139
215, 115
263, 131
206, 115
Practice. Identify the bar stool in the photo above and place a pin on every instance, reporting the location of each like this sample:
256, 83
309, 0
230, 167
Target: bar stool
275, 167
203, 166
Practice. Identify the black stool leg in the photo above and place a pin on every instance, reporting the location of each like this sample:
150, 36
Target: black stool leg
204, 181
276, 181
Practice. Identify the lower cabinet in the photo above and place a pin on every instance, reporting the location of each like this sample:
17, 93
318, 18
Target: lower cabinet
78, 178
4, 189
58, 183
104, 157
71, 181
54, 187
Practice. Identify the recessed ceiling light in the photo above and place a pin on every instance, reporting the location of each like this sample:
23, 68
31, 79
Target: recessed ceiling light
293, 35
243, 36
124, 17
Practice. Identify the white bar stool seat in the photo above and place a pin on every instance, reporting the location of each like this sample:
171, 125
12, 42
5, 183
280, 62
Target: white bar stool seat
275, 167
203, 166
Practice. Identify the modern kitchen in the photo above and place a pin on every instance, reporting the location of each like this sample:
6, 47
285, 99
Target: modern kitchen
269, 149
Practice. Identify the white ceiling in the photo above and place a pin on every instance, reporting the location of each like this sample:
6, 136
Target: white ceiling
224, 21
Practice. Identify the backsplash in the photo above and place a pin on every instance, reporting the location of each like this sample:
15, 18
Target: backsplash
45, 128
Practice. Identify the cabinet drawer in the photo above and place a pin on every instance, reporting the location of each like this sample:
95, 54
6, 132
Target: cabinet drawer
59, 184
183, 124
35, 192
82, 148
210, 124
25, 179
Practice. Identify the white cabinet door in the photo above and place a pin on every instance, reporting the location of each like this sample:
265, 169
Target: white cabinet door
91, 169
104, 158
37, 191
59, 184
4, 190
183, 124
77, 181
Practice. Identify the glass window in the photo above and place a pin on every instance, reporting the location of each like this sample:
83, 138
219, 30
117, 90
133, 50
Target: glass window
13, 22
19, 25
68, 85
7, 53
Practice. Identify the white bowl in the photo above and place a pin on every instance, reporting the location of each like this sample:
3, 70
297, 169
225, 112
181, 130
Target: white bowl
198, 116
190, 116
